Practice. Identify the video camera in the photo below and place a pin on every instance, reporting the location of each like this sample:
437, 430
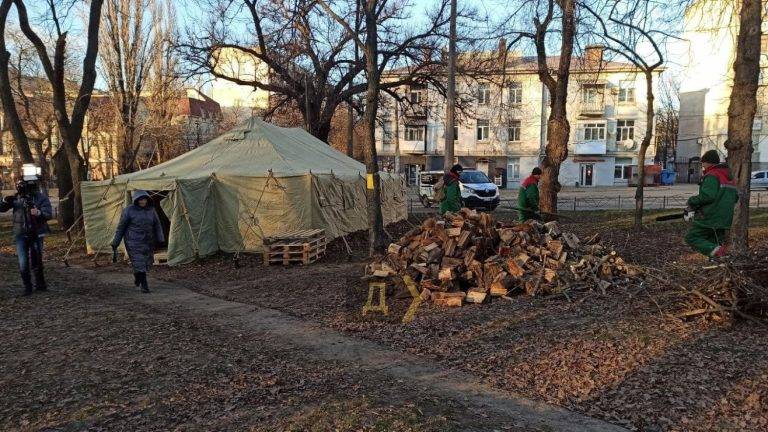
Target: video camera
30, 179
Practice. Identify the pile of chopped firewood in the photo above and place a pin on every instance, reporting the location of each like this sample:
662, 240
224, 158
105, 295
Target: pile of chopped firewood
468, 257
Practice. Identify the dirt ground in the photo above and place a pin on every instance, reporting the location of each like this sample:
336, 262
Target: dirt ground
81, 357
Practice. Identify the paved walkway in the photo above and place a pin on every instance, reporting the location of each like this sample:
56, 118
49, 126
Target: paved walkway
359, 354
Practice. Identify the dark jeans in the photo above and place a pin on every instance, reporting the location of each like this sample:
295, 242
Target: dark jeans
23, 244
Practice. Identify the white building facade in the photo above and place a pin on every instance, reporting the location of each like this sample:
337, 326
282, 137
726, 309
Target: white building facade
501, 127
705, 90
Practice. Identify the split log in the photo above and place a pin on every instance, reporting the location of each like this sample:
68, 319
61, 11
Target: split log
475, 296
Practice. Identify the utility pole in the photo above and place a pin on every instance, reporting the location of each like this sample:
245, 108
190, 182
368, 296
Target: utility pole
450, 109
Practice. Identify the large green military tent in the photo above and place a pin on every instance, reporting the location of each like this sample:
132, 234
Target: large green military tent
251, 182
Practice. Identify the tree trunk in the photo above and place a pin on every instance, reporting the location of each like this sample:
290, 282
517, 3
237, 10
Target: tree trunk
741, 115
375, 218
450, 107
649, 117
64, 184
558, 127
558, 130
6, 93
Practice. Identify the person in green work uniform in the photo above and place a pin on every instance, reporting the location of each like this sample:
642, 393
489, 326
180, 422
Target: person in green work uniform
713, 207
451, 201
528, 197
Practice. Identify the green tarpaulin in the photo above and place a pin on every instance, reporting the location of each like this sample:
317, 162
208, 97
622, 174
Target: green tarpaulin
251, 182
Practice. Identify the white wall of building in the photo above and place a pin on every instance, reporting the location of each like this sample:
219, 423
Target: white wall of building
531, 113
710, 41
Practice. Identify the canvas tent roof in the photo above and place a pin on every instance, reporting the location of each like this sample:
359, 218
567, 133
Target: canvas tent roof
253, 149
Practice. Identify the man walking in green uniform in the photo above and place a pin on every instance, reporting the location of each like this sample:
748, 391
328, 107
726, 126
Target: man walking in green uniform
713, 206
528, 197
451, 201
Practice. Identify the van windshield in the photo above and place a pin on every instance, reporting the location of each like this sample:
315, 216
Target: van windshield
474, 177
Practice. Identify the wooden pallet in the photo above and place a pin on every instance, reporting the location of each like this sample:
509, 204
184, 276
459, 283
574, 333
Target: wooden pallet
297, 247
161, 257
296, 236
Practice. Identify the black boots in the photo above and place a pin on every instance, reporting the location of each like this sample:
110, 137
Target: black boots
26, 280
40, 280
140, 278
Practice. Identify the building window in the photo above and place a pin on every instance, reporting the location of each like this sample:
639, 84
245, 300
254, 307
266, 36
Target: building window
626, 92
483, 94
386, 137
455, 132
416, 95
594, 131
625, 130
513, 131
515, 93
513, 168
592, 94
483, 130
414, 133
622, 169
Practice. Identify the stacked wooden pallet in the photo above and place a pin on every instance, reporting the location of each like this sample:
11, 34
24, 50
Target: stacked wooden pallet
161, 257
295, 247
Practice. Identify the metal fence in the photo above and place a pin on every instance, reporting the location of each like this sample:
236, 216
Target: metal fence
757, 200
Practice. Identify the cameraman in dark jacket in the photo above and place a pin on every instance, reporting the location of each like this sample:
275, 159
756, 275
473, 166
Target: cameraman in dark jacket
31, 212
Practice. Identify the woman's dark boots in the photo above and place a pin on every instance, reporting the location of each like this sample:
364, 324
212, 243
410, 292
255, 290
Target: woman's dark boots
136, 279
143, 282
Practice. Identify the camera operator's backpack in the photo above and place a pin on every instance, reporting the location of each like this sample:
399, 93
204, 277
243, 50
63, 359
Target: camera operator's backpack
439, 190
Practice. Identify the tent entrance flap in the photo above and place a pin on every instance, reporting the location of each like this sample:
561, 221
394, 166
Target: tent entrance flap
158, 197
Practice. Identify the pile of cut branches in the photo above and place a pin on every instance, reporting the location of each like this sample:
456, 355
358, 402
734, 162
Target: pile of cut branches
736, 288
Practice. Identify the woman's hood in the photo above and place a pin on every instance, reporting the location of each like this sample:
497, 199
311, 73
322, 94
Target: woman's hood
137, 194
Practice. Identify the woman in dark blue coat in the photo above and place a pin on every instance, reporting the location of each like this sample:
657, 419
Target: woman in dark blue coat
141, 230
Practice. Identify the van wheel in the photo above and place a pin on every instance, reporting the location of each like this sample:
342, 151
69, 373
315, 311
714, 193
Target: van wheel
425, 201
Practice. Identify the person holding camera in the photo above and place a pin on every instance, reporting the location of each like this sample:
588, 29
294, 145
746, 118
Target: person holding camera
31, 212
140, 229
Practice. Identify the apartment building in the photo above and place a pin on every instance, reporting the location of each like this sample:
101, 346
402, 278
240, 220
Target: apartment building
238, 101
501, 126
708, 56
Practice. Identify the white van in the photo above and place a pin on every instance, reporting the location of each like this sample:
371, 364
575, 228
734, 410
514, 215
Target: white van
759, 180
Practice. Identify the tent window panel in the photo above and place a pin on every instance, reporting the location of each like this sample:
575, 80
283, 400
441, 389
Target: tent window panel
330, 193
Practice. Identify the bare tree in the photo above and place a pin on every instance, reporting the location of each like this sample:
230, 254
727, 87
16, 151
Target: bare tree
32, 93
70, 127
667, 118
128, 35
160, 130
384, 47
6, 90
558, 127
309, 54
741, 115
626, 30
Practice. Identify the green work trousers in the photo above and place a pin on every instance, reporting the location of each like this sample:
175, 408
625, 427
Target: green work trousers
704, 239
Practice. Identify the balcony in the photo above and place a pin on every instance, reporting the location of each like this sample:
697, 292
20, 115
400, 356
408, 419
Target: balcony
415, 110
592, 147
593, 108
